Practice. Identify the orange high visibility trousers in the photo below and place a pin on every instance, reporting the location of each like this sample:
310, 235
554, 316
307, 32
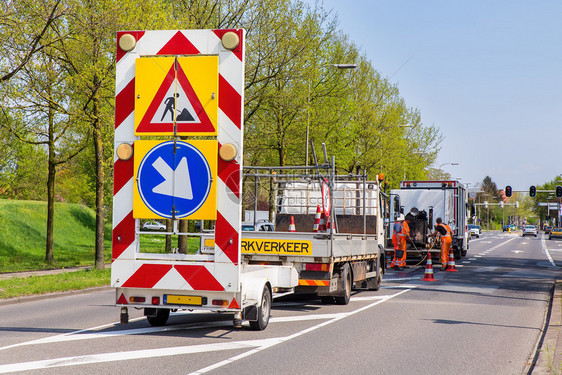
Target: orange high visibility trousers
446, 242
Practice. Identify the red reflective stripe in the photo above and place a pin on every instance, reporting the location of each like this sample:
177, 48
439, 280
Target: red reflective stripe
147, 276
124, 103
226, 238
123, 171
199, 278
229, 173
123, 236
179, 45
230, 102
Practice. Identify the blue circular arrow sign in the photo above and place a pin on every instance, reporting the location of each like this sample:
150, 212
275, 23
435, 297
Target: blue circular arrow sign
174, 179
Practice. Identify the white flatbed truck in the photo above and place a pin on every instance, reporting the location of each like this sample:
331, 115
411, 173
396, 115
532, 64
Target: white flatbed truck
422, 202
331, 263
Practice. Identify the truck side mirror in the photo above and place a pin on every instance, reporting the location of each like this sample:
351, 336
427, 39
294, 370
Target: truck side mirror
472, 211
396, 203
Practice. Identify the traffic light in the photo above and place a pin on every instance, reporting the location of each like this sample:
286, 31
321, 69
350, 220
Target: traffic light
508, 191
559, 191
532, 191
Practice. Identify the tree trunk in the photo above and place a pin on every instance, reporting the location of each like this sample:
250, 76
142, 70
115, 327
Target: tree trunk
182, 240
49, 253
100, 176
169, 228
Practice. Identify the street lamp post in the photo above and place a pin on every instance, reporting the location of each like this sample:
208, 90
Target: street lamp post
447, 164
338, 66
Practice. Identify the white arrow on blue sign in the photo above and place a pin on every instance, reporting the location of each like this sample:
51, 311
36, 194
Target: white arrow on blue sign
174, 180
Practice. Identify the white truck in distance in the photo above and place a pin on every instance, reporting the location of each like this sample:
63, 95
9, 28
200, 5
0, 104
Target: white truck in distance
422, 202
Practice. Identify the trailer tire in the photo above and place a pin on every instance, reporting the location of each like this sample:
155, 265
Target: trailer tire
160, 319
264, 311
347, 282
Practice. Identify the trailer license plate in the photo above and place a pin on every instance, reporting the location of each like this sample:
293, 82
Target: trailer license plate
182, 300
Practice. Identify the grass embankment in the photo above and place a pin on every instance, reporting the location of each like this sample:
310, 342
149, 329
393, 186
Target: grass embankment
22, 247
63, 282
23, 235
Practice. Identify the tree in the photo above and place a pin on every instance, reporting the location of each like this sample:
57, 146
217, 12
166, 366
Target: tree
39, 96
23, 27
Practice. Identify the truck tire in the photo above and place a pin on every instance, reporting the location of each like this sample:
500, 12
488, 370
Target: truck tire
327, 300
264, 311
374, 283
160, 319
347, 282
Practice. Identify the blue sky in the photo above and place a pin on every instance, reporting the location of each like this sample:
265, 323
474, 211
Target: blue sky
487, 73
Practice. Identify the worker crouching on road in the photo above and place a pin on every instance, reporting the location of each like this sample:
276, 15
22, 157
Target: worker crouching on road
445, 231
400, 239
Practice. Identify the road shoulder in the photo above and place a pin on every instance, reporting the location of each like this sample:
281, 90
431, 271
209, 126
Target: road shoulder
549, 359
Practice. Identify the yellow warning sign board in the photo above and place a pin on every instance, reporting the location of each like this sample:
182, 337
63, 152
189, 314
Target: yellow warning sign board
175, 180
176, 92
274, 246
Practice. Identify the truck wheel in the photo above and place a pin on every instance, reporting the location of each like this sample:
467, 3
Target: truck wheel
374, 283
327, 300
264, 310
160, 319
346, 279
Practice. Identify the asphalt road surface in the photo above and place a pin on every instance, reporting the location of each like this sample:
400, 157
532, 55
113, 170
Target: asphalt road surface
484, 319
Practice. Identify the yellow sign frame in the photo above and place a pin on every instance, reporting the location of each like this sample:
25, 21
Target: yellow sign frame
198, 78
208, 210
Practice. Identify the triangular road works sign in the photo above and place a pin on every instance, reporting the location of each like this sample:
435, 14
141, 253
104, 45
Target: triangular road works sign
186, 95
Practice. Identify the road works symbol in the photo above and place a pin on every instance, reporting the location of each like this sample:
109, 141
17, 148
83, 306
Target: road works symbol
177, 181
166, 96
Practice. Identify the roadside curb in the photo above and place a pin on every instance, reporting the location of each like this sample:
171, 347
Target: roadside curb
12, 301
549, 355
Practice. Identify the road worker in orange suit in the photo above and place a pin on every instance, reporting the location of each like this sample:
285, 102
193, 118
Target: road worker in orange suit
400, 238
446, 240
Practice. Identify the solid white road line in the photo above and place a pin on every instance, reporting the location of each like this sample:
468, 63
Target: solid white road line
543, 243
254, 345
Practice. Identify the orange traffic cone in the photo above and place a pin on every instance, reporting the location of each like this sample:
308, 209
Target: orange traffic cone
322, 224
317, 219
292, 225
428, 275
451, 263
331, 228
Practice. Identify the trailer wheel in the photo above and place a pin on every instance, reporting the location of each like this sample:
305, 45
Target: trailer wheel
160, 319
374, 283
346, 278
264, 310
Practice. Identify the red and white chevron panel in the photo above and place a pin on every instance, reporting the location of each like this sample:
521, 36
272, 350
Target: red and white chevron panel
224, 273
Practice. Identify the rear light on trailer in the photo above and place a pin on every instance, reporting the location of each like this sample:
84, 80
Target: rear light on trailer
155, 300
220, 302
137, 299
317, 267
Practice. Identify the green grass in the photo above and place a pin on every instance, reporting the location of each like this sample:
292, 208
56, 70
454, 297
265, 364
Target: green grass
23, 236
26, 286
156, 243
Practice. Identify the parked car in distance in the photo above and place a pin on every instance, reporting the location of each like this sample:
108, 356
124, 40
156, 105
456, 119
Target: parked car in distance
547, 229
529, 230
153, 225
511, 227
555, 232
261, 226
474, 230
